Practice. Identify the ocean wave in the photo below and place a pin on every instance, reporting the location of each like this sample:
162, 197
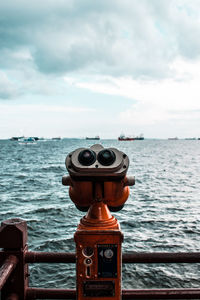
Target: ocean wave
161, 214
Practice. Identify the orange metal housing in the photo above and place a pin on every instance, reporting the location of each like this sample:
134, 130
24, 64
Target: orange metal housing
114, 193
98, 231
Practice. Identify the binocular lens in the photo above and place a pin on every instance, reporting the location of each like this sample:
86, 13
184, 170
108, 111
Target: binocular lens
106, 157
87, 157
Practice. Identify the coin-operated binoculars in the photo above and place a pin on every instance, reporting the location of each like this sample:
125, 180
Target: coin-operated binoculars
98, 185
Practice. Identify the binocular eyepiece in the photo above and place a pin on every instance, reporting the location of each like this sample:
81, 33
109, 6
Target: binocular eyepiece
105, 157
98, 168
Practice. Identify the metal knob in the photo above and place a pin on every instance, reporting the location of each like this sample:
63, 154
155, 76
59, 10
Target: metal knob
129, 181
66, 180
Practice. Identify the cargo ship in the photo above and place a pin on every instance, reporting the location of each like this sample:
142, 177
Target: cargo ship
122, 137
97, 137
173, 138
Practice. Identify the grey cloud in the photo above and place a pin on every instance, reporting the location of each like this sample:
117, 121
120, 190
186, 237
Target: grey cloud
124, 37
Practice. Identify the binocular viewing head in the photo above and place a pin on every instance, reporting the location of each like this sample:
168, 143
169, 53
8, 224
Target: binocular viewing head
97, 174
97, 163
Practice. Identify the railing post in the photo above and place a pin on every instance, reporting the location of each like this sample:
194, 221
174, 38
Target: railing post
13, 240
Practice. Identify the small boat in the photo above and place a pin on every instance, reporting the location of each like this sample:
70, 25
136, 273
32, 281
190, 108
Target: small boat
27, 140
97, 137
173, 138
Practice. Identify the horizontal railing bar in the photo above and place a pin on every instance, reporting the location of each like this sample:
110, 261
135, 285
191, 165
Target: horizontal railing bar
161, 257
42, 293
134, 257
49, 257
161, 294
6, 269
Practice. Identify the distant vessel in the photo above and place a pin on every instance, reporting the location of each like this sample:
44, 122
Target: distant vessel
173, 138
16, 138
125, 138
26, 140
97, 137
21, 138
190, 139
56, 138
122, 137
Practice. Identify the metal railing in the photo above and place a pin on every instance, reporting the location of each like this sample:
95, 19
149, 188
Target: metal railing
15, 257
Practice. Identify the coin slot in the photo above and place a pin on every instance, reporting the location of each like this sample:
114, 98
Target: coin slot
88, 271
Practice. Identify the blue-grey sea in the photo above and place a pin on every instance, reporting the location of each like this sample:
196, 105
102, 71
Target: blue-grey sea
161, 214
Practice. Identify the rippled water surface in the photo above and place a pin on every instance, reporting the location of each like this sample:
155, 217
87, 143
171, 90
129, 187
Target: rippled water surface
161, 214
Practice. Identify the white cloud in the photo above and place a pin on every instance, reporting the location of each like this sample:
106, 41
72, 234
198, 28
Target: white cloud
154, 101
41, 108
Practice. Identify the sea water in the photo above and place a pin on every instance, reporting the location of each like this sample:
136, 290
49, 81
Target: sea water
161, 214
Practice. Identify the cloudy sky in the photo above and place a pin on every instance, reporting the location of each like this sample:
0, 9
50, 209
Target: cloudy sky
80, 67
